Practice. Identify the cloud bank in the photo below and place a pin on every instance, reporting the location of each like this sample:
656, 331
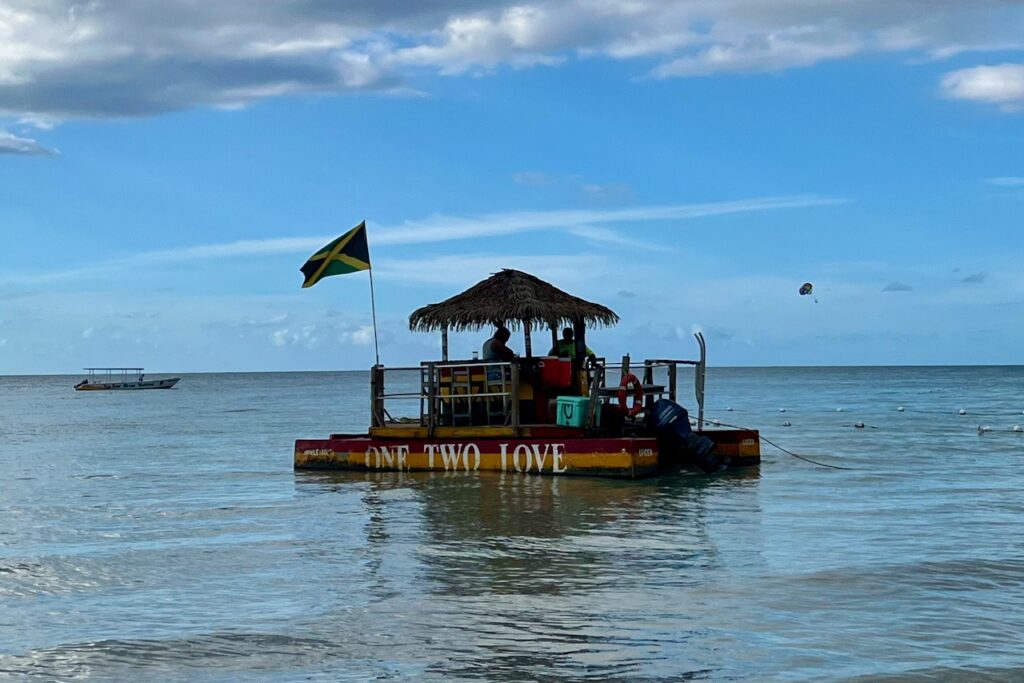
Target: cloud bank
64, 59
12, 144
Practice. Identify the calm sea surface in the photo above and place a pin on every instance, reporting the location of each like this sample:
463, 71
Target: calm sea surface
164, 536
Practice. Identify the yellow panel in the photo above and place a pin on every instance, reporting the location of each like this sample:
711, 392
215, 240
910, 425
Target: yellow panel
411, 432
324, 457
524, 458
418, 432
471, 431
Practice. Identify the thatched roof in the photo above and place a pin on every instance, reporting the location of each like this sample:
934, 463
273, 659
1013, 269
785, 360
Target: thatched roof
510, 297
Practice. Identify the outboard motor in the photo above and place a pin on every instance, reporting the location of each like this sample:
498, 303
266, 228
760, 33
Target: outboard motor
672, 424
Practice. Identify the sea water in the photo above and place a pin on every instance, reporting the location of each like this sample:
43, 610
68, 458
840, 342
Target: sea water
163, 535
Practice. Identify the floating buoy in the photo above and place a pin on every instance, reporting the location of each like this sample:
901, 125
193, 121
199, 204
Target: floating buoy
787, 424
961, 412
715, 422
1018, 428
984, 428
839, 410
782, 410
900, 409
729, 409
858, 425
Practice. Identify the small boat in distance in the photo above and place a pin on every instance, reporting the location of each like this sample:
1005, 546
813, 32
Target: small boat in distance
119, 379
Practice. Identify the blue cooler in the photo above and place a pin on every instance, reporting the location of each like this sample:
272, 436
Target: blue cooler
572, 411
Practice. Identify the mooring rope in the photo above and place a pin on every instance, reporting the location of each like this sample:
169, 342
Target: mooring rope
787, 452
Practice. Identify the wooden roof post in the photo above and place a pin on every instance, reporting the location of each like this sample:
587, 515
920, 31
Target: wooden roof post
528, 347
579, 330
554, 338
444, 344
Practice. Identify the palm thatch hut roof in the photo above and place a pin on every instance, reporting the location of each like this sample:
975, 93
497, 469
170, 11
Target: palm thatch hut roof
510, 297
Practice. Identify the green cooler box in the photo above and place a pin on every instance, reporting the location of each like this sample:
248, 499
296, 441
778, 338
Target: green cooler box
572, 411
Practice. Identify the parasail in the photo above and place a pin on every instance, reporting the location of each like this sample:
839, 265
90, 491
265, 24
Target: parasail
806, 289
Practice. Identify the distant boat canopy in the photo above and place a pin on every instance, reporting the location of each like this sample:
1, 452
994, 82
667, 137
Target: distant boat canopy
112, 379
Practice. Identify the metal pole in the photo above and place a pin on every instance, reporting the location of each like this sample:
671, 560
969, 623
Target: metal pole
699, 379
373, 309
579, 330
515, 396
375, 390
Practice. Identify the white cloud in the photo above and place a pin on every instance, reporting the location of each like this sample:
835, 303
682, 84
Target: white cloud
1006, 181
441, 228
361, 336
306, 335
13, 144
65, 59
446, 228
1001, 84
457, 270
575, 182
283, 337
764, 52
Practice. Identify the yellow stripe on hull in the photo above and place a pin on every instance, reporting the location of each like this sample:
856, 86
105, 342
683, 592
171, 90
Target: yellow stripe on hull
613, 457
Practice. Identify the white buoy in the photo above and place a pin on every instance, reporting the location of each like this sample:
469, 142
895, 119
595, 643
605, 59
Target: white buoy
858, 425
782, 410
787, 424
984, 428
961, 412
715, 422
1018, 428
900, 409
729, 409
839, 410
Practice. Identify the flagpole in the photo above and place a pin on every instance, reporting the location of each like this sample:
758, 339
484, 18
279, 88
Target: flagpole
373, 310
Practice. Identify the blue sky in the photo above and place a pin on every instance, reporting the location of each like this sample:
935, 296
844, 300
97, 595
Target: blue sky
689, 164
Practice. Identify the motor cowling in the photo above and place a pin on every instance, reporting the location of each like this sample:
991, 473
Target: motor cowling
671, 423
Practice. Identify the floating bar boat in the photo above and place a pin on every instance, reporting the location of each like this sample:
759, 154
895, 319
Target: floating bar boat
574, 414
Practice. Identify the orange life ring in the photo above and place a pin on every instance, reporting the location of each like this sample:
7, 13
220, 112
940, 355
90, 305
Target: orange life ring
638, 395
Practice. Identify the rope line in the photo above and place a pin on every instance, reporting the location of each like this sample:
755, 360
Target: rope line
801, 457
787, 452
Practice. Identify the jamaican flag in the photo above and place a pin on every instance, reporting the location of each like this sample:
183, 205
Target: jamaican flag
347, 254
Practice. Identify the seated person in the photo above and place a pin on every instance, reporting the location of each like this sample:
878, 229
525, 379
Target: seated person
496, 349
566, 346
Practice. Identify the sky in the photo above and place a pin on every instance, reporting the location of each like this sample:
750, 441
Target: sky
166, 168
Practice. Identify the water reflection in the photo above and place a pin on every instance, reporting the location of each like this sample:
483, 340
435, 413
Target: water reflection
526, 577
